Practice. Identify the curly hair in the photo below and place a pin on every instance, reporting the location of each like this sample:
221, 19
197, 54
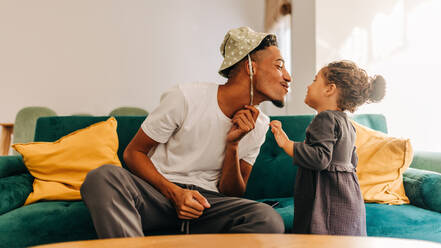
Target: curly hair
354, 85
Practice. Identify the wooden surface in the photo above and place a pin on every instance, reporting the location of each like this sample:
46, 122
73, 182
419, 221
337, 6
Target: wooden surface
5, 137
249, 240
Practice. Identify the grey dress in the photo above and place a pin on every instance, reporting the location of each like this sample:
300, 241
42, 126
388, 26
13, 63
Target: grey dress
327, 196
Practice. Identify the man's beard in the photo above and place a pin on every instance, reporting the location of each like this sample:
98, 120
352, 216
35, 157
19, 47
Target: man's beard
278, 103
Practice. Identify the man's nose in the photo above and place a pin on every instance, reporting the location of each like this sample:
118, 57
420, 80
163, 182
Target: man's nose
286, 76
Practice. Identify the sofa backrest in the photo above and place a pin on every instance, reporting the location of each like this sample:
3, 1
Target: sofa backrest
273, 173
50, 129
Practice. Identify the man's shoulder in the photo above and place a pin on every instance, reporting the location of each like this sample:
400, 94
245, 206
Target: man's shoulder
197, 93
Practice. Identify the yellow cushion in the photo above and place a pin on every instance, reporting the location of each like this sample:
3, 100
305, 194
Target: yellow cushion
382, 161
60, 167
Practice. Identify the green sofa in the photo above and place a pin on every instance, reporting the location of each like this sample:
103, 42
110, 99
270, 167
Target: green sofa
272, 177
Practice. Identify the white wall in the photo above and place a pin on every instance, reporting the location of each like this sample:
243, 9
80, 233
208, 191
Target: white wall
90, 56
302, 60
303, 37
400, 40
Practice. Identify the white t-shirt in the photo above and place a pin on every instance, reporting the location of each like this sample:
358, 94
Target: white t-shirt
191, 130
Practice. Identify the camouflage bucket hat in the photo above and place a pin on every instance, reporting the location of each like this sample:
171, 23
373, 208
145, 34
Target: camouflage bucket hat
237, 44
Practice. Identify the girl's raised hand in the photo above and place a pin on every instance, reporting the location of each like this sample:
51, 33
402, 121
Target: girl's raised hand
281, 138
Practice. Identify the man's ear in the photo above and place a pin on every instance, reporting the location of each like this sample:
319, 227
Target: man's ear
247, 67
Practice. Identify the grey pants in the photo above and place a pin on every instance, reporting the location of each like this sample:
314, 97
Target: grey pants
123, 205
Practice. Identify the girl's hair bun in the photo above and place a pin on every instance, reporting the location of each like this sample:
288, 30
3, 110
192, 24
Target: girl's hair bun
378, 88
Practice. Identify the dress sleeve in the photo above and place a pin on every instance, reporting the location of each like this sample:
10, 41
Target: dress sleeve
316, 152
162, 123
354, 159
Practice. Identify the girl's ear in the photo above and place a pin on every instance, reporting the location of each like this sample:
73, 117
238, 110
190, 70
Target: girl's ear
331, 89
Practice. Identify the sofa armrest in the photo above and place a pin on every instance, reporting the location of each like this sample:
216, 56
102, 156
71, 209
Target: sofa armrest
423, 188
14, 191
11, 165
427, 161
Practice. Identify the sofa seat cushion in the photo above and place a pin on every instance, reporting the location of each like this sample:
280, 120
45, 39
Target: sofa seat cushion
399, 221
46, 222
403, 221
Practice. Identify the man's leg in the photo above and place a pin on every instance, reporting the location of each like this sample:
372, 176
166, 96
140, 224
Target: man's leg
236, 215
123, 205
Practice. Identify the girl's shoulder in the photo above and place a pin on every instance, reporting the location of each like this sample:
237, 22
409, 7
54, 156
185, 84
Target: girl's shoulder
325, 116
330, 120
322, 121
331, 115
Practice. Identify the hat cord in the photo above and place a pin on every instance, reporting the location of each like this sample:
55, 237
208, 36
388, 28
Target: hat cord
250, 66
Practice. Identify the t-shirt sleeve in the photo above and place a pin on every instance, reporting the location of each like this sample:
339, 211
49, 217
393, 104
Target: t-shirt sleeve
316, 152
167, 117
259, 138
250, 158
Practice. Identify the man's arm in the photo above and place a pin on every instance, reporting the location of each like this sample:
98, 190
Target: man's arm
189, 204
235, 172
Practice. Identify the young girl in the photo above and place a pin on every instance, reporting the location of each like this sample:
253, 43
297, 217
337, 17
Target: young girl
327, 196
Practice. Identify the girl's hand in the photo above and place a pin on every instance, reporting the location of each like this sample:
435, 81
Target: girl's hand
281, 138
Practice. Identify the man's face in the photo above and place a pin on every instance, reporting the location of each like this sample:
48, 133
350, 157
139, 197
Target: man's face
271, 78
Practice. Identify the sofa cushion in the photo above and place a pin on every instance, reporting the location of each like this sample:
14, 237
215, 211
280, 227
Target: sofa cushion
423, 188
49, 129
50, 222
382, 161
46, 222
399, 221
402, 221
60, 167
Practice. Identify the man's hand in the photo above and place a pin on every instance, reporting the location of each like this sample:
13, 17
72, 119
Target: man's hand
243, 122
281, 138
189, 204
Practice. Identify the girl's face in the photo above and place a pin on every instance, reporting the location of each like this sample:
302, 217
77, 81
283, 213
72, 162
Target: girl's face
317, 91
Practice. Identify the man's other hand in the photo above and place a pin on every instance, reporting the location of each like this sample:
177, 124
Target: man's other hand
189, 204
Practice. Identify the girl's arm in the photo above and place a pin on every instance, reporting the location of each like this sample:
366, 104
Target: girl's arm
317, 153
281, 138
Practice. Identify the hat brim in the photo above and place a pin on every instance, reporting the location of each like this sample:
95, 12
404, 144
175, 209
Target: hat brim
229, 63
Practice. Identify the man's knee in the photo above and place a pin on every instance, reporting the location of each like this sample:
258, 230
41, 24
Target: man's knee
269, 220
98, 178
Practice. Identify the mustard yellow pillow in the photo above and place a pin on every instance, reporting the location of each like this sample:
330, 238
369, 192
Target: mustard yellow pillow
382, 161
60, 167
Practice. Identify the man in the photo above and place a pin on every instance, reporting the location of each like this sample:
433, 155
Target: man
192, 156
